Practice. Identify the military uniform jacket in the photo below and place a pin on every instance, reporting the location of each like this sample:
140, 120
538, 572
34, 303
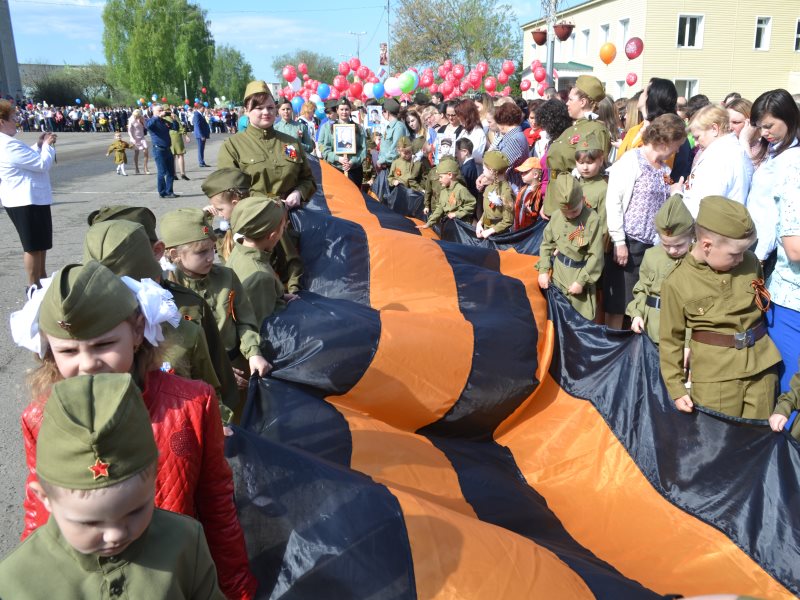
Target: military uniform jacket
118, 147
186, 351
407, 172
561, 155
594, 194
276, 162
233, 312
501, 218
261, 284
170, 561
697, 297
655, 267
325, 145
585, 245
790, 401
455, 199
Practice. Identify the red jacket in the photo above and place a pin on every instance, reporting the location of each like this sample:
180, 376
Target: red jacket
193, 476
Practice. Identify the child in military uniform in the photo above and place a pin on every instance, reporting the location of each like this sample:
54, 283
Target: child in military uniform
224, 188
589, 163
528, 203
718, 292
118, 147
498, 199
788, 403
404, 170
261, 221
86, 321
96, 476
574, 238
675, 228
455, 201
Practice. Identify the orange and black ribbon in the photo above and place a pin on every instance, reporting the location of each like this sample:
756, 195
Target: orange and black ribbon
231, 311
578, 233
763, 297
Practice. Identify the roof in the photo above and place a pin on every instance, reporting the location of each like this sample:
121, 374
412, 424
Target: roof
564, 12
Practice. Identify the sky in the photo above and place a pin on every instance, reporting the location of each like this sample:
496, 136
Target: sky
70, 31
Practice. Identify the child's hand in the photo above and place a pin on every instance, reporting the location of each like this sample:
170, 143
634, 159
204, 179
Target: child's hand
451, 215
777, 422
212, 211
290, 297
259, 365
684, 404
637, 325
395, 182
426, 226
575, 288
677, 187
293, 200
426, 210
487, 232
241, 378
544, 281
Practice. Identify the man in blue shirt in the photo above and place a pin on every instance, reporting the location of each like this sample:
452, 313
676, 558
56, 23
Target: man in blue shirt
202, 131
165, 162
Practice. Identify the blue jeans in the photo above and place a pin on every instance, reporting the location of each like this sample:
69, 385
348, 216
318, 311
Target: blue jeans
165, 163
201, 151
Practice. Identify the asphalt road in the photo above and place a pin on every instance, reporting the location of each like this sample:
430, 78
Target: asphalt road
83, 180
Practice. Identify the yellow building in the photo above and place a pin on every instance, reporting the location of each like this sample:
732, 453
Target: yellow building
711, 47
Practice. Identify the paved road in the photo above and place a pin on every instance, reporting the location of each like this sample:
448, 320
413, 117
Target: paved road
83, 180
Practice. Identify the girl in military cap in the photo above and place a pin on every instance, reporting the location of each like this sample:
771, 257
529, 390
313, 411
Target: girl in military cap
498, 199
224, 188
84, 321
404, 170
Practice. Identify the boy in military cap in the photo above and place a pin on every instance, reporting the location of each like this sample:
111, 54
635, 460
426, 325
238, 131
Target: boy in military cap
529, 198
118, 147
718, 292
96, 465
675, 228
455, 201
261, 221
498, 199
224, 188
574, 237
788, 403
589, 167
404, 170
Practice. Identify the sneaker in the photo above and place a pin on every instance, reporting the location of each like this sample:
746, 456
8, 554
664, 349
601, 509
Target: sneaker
171, 196
184, 177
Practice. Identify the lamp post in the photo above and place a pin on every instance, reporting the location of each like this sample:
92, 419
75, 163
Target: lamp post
185, 93
550, 9
358, 35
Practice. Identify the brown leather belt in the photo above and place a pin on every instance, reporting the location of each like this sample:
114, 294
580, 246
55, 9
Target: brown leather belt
744, 339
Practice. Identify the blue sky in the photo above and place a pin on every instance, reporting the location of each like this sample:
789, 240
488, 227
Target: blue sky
70, 31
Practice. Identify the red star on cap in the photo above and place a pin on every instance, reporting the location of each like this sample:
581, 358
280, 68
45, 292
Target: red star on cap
99, 469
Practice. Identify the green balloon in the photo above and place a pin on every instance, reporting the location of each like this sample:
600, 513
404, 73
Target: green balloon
406, 82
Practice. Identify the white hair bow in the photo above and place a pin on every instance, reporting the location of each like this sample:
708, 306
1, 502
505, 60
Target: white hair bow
156, 305
25, 322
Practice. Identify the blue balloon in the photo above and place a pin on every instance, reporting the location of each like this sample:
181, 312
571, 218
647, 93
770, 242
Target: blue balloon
205, 104
196, 100
320, 113
77, 100
377, 90
154, 97
297, 104
149, 104
323, 91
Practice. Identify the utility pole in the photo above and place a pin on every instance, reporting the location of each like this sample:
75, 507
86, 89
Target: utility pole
358, 35
388, 19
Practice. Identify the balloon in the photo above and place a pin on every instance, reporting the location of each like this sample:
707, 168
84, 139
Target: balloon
287, 92
324, 90
289, 73
506, 91
196, 100
391, 87
490, 83
149, 103
447, 88
297, 104
539, 74
354, 63
542, 87
320, 113
482, 69
525, 85
442, 71
303, 68
77, 100
222, 98
340, 82
315, 98
631, 79
367, 91
426, 80
608, 52
406, 81
216, 100
204, 90
458, 71
154, 97
508, 67
356, 88
186, 101
377, 90
536, 64
306, 77
434, 88
363, 72
448, 64
464, 86
295, 83
634, 47
474, 77
502, 77
344, 68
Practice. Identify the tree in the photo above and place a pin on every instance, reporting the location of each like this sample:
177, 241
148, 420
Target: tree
151, 46
427, 32
320, 67
230, 74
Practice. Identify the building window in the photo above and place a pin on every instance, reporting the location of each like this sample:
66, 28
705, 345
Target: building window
624, 26
763, 28
690, 31
604, 33
621, 89
797, 36
571, 43
687, 87
585, 34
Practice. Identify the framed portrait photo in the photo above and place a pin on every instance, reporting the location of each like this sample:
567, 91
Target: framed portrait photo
344, 138
374, 116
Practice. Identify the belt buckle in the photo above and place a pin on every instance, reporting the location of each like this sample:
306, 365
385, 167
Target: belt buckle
745, 339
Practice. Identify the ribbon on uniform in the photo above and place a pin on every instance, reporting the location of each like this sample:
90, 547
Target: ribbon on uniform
763, 298
578, 233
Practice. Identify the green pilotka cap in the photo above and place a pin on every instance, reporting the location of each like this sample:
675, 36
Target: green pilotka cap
256, 87
392, 106
403, 142
568, 192
496, 160
137, 214
223, 180
591, 86
95, 433
123, 247
85, 301
257, 216
673, 218
184, 226
589, 144
725, 217
447, 165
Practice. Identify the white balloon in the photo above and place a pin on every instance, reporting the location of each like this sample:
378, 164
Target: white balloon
368, 90
391, 87
222, 98
296, 84
315, 98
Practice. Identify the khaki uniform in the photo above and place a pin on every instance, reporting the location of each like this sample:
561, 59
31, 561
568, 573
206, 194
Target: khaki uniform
432, 189
259, 280
561, 155
585, 248
455, 199
501, 218
118, 147
737, 382
170, 561
407, 172
790, 401
594, 193
186, 351
656, 266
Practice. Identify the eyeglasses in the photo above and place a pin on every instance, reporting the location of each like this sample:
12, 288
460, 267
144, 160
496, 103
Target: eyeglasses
450, 115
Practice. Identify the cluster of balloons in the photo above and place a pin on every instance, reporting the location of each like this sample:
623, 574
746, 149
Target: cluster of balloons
633, 49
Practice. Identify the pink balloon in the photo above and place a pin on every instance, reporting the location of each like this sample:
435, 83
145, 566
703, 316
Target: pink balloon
287, 92
344, 68
525, 85
458, 71
354, 63
303, 68
362, 72
474, 77
442, 70
539, 74
490, 83
450, 77
305, 77
482, 68
508, 67
506, 91
535, 64
314, 84
289, 73
464, 86
631, 79
502, 77
373, 79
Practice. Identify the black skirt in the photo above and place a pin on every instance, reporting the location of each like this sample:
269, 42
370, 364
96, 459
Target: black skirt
34, 226
618, 281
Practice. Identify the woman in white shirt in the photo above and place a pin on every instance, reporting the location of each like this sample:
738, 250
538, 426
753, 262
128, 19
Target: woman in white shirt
25, 191
473, 130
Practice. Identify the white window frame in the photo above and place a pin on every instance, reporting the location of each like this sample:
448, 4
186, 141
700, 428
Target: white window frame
624, 29
605, 33
699, 34
621, 88
587, 35
691, 86
765, 38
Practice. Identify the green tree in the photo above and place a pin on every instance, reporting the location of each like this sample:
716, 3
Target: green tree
320, 67
151, 46
427, 32
230, 74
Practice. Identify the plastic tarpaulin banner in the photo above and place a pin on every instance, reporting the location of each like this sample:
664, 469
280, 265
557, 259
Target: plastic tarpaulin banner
436, 427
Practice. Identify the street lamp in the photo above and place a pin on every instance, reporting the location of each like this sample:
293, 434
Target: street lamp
358, 35
185, 93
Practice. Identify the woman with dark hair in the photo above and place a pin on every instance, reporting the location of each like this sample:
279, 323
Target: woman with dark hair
511, 142
774, 204
470, 118
292, 127
553, 117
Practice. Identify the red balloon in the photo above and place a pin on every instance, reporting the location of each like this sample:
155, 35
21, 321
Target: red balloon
482, 68
490, 83
450, 77
458, 71
287, 92
474, 77
356, 88
634, 47
542, 87
508, 67
164, 99
502, 77
448, 64
289, 73
426, 80
340, 82
447, 88
344, 68
464, 86
631, 79
362, 72
525, 85
204, 90
434, 88
373, 79
506, 91
535, 64
354, 63
442, 70
314, 84
539, 74
186, 101
334, 94
303, 68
